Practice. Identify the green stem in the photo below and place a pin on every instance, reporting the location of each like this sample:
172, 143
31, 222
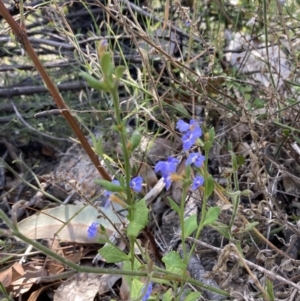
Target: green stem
181, 216
122, 131
115, 97
83, 269
204, 202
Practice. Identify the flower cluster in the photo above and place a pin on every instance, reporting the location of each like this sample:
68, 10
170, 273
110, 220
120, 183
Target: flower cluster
191, 132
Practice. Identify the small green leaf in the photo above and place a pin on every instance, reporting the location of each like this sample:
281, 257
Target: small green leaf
127, 267
168, 296
233, 160
207, 146
106, 64
210, 186
109, 186
240, 159
270, 289
193, 296
223, 230
211, 134
134, 229
190, 225
246, 192
179, 107
135, 140
136, 289
173, 205
112, 254
174, 262
250, 226
286, 132
94, 82
119, 71
140, 218
211, 216
97, 144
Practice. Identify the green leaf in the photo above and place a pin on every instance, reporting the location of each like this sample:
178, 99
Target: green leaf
135, 140
211, 134
97, 144
174, 205
127, 267
119, 71
179, 107
136, 289
211, 216
210, 186
168, 295
94, 82
140, 218
233, 160
193, 296
134, 229
207, 146
250, 226
174, 262
246, 192
240, 159
109, 186
222, 229
112, 254
106, 64
270, 289
190, 225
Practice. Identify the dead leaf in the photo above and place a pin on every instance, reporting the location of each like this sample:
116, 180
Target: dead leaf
24, 283
54, 266
68, 222
11, 274
85, 286
34, 296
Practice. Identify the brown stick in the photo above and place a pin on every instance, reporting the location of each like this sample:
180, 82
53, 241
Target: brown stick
21, 36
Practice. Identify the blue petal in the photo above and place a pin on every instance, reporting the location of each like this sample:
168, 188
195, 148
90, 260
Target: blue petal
92, 230
198, 181
182, 126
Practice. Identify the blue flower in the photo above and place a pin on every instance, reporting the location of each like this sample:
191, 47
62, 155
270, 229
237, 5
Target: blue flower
192, 132
183, 126
109, 193
198, 181
166, 167
195, 158
92, 230
190, 137
148, 292
136, 184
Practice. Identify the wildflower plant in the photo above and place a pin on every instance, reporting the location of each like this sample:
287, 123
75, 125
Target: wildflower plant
126, 190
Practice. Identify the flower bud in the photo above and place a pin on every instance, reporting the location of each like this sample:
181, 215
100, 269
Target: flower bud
102, 47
